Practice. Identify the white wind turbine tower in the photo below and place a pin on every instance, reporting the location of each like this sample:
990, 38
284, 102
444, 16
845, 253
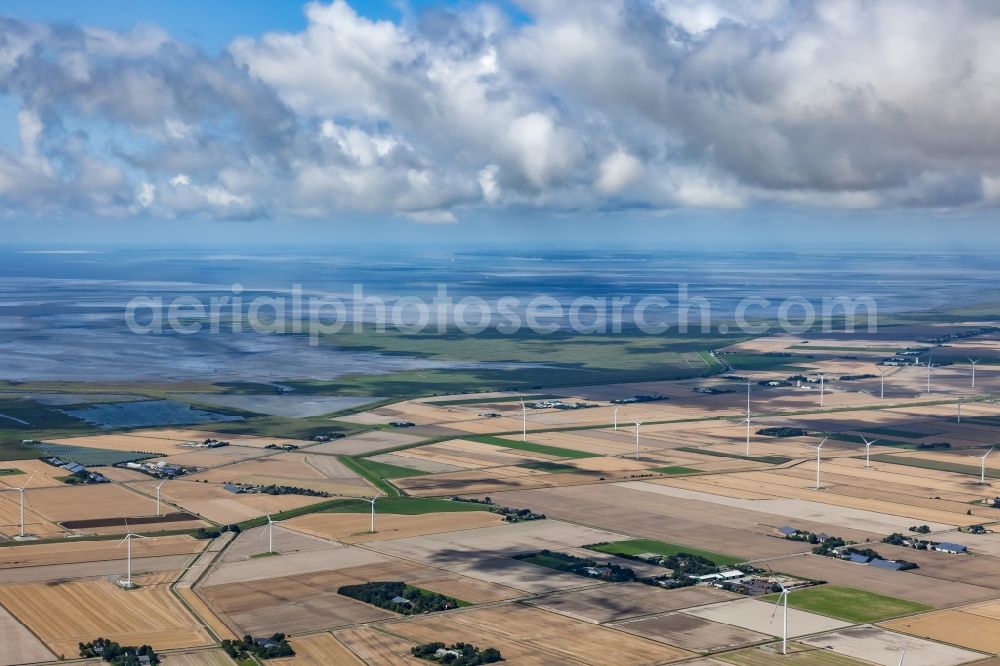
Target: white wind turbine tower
868, 450
982, 467
617, 407
270, 533
822, 389
782, 600
747, 419
958, 411
637, 424
818, 448
929, 366
158, 496
973, 364
881, 376
902, 656
372, 502
524, 426
21, 492
127, 583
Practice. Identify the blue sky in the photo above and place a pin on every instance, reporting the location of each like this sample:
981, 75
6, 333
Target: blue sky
627, 122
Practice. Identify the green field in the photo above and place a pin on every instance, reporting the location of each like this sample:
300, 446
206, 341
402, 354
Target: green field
639, 546
881, 350
748, 361
370, 475
924, 463
849, 604
770, 460
10, 471
900, 432
799, 654
554, 451
387, 471
405, 506
675, 469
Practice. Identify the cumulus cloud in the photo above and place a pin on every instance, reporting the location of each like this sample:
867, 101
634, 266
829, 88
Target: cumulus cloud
610, 103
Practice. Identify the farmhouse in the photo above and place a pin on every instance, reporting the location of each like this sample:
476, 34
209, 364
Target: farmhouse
946, 547
788, 531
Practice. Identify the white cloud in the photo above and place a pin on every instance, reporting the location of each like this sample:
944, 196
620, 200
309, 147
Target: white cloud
655, 104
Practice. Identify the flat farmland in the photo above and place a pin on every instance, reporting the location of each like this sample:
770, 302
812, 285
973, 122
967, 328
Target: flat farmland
20, 646
475, 482
188, 435
884, 647
599, 605
967, 630
757, 616
365, 443
309, 601
700, 524
982, 569
10, 518
64, 613
198, 658
486, 553
40, 474
317, 649
353, 527
378, 647
901, 584
104, 500
75, 552
530, 636
216, 503
692, 633
798, 655
816, 507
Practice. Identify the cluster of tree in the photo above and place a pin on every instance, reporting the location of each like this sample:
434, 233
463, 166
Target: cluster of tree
977, 529
921, 529
204, 533
827, 545
783, 431
851, 378
983, 330
275, 489
774, 382
115, 654
897, 539
263, 648
459, 654
282, 447
399, 597
712, 390
639, 398
935, 445
581, 566
510, 514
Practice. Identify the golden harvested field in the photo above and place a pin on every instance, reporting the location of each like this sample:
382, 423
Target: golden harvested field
319, 650
136, 441
378, 647
368, 442
41, 474
63, 614
968, 630
213, 657
216, 503
105, 500
187, 435
10, 517
20, 646
71, 552
531, 636
353, 527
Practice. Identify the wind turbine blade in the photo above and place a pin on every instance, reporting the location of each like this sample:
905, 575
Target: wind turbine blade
902, 656
28, 482
777, 602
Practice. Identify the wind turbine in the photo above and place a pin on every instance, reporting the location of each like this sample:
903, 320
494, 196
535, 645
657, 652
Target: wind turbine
822, 389
868, 449
782, 598
637, 424
617, 407
270, 533
982, 469
372, 502
524, 428
158, 496
881, 376
973, 363
129, 535
929, 366
21, 491
958, 411
818, 459
902, 656
747, 419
